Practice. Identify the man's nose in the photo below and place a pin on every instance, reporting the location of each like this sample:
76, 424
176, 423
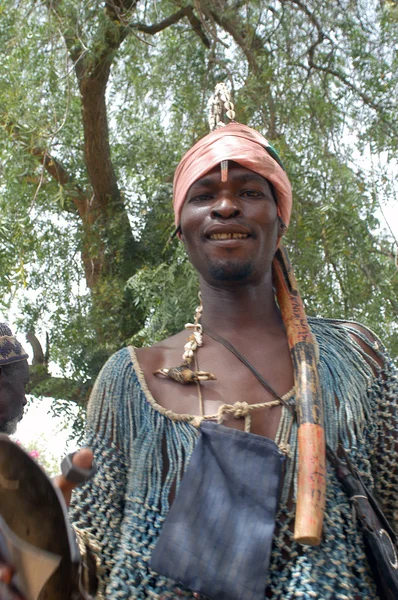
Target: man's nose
226, 207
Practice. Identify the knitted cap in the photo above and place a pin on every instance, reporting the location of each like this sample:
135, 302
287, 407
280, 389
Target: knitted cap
10, 349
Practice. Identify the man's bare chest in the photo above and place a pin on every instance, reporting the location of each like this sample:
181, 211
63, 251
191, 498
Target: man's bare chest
235, 385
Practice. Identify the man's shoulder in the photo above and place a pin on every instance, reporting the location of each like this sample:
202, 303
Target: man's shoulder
117, 360
164, 352
356, 333
117, 374
158, 351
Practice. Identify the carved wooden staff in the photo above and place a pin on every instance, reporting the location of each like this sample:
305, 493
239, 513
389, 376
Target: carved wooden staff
311, 493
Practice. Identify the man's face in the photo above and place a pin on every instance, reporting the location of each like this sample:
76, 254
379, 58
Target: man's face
230, 228
13, 379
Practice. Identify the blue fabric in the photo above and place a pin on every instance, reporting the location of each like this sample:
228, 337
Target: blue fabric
142, 452
218, 535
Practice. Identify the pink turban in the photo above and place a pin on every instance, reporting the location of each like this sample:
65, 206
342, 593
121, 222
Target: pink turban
238, 143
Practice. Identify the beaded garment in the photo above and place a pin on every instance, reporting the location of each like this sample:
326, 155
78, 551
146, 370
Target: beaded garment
141, 451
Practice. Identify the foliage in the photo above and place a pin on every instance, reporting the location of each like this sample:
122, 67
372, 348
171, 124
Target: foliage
38, 449
98, 101
169, 295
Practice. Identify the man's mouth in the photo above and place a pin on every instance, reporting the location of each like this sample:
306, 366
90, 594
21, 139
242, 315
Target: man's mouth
228, 236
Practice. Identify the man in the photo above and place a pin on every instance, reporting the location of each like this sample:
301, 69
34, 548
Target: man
232, 203
14, 376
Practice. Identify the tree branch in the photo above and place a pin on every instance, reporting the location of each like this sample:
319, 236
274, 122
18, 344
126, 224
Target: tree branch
252, 45
310, 15
187, 11
377, 107
335, 269
38, 354
41, 383
367, 99
218, 15
86, 207
52, 166
368, 274
328, 70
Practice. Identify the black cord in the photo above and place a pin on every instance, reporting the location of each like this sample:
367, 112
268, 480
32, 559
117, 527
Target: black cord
218, 338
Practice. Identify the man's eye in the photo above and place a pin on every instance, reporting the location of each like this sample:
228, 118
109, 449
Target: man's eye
200, 198
252, 194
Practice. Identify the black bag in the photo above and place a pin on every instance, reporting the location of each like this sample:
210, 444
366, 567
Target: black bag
217, 537
381, 543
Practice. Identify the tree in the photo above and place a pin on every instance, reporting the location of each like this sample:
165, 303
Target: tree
99, 100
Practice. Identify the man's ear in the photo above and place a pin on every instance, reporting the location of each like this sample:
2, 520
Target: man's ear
281, 227
176, 234
180, 235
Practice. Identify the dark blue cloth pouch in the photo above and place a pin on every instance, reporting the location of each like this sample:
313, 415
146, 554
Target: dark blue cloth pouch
217, 537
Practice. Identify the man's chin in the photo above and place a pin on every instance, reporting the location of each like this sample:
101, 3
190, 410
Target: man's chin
9, 427
230, 271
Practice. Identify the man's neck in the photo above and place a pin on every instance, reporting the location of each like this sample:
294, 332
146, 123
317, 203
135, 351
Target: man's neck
236, 309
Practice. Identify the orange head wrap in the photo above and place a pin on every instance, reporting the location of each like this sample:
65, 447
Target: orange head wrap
238, 143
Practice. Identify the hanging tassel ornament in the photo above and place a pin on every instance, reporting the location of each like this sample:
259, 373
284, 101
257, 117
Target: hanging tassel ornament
221, 107
184, 374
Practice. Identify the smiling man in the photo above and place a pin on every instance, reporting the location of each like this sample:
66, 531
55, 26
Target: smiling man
243, 214
196, 437
14, 376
